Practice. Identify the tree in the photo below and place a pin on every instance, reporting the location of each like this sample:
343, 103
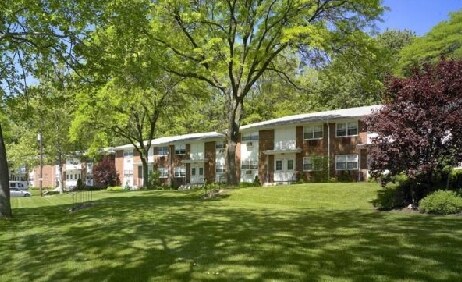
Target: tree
419, 128
356, 76
442, 40
128, 93
230, 44
105, 174
29, 32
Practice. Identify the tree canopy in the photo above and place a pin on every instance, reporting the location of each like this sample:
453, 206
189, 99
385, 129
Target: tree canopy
443, 40
419, 129
230, 44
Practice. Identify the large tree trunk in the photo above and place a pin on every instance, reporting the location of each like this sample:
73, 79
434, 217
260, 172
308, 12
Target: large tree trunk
232, 136
5, 207
144, 162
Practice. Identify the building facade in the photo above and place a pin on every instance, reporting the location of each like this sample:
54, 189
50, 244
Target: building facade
308, 147
314, 147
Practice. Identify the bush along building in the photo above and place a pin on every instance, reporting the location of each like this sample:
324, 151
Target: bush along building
314, 147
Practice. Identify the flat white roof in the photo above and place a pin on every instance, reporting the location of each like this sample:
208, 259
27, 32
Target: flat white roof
313, 117
178, 138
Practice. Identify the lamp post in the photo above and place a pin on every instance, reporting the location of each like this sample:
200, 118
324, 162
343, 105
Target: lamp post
39, 138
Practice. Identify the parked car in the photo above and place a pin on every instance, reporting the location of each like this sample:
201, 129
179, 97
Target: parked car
21, 185
15, 192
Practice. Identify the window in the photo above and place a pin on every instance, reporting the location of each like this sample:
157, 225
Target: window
250, 136
346, 129
201, 171
128, 172
163, 172
312, 132
180, 171
180, 149
249, 164
290, 164
219, 168
193, 171
346, 162
279, 165
128, 154
308, 164
162, 151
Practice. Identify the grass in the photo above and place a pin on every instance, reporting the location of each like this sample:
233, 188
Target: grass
306, 232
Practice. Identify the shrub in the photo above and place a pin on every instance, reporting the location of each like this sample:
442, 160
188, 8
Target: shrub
154, 180
105, 174
116, 188
441, 202
256, 181
390, 197
455, 179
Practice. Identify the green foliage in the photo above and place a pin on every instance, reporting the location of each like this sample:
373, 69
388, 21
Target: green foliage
321, 172
443, 40
154, 181
455, 179
441, 202
256, 181
80, 184
389, 197
116, 189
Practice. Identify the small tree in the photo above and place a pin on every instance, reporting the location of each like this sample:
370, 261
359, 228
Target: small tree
419, 127
105, 174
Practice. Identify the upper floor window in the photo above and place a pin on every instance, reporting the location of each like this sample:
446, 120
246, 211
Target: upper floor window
162, 151
344, 129
250, 136
346, 162
180, 149
312, 132
219, 145
128, 154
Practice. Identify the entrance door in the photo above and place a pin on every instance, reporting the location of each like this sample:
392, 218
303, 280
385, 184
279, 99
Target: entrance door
197, 173
284, 168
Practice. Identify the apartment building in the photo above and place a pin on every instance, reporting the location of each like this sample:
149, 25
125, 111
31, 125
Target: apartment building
190, 159
328, 144
307, 147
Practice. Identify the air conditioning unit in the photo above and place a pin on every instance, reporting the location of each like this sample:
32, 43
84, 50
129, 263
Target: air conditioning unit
248, 172
221, 151
249, 144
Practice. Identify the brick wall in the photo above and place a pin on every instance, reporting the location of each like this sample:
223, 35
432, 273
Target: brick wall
265, 162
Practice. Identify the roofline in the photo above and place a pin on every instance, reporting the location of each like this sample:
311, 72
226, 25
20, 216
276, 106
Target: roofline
312, 117
163, 141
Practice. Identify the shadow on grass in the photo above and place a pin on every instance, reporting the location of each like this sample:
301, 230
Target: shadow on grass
158, 237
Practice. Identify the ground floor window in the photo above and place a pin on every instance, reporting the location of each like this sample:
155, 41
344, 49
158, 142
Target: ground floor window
180, 171
219, 168
163, 172
279, 165
308, 164
346, 162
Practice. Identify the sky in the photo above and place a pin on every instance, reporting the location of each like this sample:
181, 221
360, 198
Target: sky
417, 15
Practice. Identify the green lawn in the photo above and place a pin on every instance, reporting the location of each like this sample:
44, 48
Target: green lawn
307, 232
